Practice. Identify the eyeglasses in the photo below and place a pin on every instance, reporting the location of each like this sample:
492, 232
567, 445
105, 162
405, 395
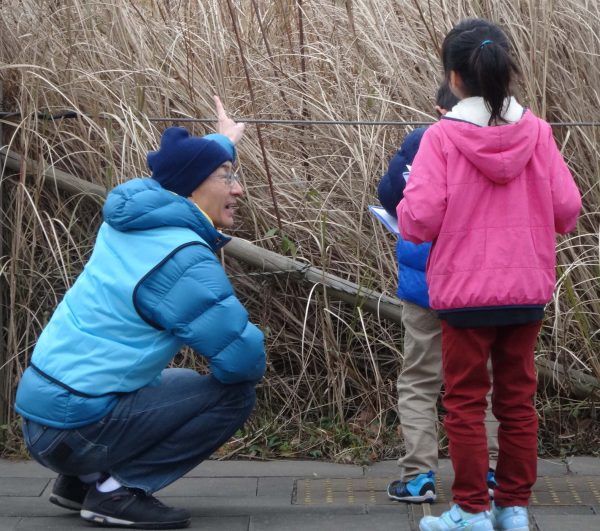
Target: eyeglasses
231, 177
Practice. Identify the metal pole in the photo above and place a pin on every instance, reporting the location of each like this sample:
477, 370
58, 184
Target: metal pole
3, 354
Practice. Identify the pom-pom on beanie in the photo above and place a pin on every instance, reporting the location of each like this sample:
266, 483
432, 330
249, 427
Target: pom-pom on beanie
183, 161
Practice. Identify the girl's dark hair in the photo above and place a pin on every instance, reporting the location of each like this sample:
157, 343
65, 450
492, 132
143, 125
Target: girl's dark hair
479, 51
444, 97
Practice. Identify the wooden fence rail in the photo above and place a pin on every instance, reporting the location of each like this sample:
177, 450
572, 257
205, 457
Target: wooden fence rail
578, 384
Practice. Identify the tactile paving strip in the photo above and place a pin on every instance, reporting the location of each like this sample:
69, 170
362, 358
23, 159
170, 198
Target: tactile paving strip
548, 491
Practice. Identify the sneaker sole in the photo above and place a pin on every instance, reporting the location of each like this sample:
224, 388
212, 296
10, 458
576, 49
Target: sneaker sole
428, 497
65, 503
431, 523
110, 521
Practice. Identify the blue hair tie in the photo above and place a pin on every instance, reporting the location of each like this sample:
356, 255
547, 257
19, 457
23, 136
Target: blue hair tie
484, 43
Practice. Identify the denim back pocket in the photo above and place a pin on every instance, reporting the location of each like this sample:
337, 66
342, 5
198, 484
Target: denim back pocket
43, 442
65, 451
32, 431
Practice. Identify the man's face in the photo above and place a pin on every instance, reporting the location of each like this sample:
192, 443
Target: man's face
218, 195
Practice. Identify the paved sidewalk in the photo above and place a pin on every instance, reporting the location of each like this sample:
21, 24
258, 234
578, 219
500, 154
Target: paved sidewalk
304, 495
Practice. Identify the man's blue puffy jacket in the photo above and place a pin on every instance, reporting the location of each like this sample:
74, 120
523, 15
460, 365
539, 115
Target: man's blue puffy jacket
152, 285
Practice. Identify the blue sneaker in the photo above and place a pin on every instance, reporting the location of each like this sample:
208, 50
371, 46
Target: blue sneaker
418, 490
491, 482
459, 520
511, 518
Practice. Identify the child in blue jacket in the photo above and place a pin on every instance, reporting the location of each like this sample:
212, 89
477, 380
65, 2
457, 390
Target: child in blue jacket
420, 381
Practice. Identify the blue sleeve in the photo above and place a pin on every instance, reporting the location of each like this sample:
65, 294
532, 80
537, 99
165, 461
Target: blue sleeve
391, 187
190, 296
224, 142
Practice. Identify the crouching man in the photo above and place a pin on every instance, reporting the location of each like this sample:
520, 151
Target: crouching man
98, 405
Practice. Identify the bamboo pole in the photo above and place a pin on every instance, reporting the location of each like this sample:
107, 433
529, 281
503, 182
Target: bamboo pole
579, 384
63, 180
238, 248
336, 287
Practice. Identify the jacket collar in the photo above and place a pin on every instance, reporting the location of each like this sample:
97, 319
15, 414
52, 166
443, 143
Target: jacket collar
474, 110
142, 204
206, 229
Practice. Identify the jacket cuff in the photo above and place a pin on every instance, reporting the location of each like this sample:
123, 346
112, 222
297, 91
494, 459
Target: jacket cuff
224, 142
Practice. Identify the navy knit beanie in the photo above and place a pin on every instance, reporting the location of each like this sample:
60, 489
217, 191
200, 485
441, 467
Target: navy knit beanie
183, 161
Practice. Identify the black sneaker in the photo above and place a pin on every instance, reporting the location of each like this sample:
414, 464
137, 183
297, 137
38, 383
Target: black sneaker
132, 508
69, 492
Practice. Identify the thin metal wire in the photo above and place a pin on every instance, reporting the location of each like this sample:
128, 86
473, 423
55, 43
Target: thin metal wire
265, 121
304, 123
340, 122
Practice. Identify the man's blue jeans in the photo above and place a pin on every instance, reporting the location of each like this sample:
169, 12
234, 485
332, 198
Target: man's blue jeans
153, 436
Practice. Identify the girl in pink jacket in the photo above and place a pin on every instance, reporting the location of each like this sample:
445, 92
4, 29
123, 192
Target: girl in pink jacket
491, 189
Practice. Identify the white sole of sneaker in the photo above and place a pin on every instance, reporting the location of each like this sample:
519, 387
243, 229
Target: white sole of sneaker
91, 516
430, 523
65, 503
428, 497
104, 520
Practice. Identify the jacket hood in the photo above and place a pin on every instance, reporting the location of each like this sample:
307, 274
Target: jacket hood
142, 204
500, 152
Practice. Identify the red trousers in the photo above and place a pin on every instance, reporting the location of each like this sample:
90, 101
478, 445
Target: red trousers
465, 353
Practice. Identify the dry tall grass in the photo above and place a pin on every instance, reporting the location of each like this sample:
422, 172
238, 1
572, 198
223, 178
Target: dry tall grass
329, 389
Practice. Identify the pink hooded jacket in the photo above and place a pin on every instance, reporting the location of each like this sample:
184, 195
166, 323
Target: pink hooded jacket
491, 199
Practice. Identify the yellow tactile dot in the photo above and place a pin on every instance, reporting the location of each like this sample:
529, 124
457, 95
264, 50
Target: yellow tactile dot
307, 493
573, 491
328, 491
350, 491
